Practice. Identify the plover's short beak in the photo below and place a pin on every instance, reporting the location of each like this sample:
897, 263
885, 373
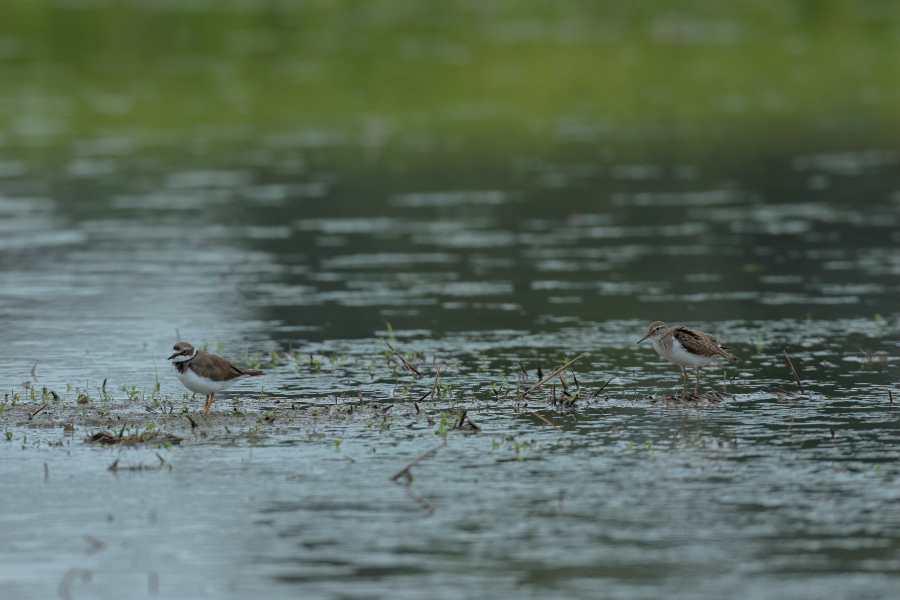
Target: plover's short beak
171, 357
642, 339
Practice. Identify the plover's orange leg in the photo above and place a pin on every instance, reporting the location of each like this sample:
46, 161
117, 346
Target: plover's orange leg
209, 401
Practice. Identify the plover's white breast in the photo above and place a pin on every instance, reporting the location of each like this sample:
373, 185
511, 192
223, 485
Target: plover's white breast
203, 385
681, 357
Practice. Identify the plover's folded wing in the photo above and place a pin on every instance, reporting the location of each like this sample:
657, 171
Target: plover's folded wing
219, 369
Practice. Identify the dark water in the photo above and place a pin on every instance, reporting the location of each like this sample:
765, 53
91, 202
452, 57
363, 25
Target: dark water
765, 494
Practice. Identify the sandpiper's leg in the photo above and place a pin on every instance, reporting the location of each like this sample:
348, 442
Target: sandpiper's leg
684, 381
209, 401
697, 384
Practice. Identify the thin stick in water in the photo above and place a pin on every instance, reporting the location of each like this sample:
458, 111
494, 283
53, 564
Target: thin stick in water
31, 416
405, 362
433, 386
793, 370
548, 378
597, 393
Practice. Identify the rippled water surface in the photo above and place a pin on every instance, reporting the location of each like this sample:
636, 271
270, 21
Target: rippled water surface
288, 259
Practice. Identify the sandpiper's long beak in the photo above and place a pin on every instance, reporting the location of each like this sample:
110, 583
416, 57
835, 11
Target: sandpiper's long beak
171, 357
642, 339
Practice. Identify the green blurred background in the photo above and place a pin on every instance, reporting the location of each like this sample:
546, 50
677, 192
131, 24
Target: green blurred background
483, 76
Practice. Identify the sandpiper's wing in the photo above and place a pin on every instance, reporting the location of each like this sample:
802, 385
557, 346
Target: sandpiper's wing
701, 343
716, 340
221, 369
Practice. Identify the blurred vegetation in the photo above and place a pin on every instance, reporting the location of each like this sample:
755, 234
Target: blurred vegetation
752, 73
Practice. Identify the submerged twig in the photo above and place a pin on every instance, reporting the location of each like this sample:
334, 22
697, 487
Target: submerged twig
65, 585
423, 456
95, 543
546, 421
425, 503
548, 378
793, 370
138, 467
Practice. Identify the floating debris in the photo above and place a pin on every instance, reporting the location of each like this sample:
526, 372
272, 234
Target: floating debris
145, 437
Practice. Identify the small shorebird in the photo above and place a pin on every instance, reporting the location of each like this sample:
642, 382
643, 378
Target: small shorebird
687, 347
205, 373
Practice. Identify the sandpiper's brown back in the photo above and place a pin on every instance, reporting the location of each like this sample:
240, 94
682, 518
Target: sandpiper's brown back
703, 344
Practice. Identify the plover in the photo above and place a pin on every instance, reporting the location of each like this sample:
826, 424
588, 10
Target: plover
687, 347
205, 373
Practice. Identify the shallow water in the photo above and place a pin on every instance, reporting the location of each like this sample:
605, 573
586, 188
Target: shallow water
309, 274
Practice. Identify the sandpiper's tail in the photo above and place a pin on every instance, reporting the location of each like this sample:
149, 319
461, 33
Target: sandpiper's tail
728, 355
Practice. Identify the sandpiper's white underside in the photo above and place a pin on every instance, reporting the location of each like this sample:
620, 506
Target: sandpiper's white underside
202, 385
681, 357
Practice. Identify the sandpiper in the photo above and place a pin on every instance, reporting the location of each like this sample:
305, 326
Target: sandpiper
205, 373
687, 347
